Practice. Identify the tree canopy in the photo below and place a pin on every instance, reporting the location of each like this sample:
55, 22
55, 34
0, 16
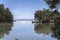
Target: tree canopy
5, 14
53, 3
46, 15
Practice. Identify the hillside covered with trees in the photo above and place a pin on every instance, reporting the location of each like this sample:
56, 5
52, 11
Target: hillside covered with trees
5, 14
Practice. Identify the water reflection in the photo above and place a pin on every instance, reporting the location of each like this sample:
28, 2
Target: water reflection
53, 29
43, 28
56, 31
5, 28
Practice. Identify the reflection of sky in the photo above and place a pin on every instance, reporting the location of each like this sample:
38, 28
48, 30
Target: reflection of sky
25, 31
24, 8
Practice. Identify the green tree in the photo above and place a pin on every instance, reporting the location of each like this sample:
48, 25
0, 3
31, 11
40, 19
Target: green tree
8, 15
52, 3
5, 14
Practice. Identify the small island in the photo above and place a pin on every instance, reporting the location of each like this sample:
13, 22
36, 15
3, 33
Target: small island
5, 14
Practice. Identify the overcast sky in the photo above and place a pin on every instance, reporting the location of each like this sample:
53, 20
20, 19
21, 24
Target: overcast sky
24, 9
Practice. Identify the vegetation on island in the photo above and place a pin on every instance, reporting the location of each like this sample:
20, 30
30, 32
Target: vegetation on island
5, 14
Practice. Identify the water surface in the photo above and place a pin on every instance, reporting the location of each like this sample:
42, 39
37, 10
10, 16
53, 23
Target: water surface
25, 30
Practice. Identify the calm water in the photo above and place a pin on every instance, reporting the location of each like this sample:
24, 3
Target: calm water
25, 30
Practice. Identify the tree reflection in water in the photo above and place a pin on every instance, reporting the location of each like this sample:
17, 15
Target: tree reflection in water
54, 29
43, 28
56, 32
5, 28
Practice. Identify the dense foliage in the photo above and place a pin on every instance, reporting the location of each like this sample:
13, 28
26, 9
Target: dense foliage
5, 14
53, 3
46, 15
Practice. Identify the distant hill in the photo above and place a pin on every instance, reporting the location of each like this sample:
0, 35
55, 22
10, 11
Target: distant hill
23, 20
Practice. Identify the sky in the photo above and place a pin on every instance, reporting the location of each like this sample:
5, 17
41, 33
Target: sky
24, 9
